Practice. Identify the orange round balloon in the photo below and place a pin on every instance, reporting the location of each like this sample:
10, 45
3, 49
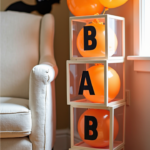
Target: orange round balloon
96, 74
112, 3
99, 50
103, 127
85, 7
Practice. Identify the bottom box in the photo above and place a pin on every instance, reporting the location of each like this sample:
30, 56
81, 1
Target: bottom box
98, 128
84, 146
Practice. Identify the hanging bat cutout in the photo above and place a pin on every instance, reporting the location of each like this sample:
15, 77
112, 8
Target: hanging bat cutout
42, 6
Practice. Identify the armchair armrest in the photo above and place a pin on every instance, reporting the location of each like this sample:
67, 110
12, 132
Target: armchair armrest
42, 91
41, 104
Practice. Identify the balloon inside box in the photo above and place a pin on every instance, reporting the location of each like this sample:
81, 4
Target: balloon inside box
87, 82
92, 127
92, 7
97, 36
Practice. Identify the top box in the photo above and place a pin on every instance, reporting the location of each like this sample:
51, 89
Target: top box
97, 37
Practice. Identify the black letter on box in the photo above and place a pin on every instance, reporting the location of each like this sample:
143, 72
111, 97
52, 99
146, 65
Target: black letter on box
85, 75
89, 37
88, 127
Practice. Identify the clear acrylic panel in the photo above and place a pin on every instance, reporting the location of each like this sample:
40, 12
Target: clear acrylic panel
92, 126
115, 81
86, 82
77, 112
77, 28
119, 115
115, 37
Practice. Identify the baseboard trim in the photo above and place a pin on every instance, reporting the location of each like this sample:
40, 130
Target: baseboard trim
63, 139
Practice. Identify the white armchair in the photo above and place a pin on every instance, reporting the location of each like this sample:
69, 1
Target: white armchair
27, 75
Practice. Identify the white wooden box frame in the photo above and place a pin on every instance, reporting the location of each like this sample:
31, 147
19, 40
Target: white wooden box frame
106, 17
105, 62
120, 148
111, 134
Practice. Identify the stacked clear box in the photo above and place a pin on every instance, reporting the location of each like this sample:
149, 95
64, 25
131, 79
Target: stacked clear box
110, 62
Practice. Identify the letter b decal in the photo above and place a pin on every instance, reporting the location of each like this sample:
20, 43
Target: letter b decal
88, 37
89, 127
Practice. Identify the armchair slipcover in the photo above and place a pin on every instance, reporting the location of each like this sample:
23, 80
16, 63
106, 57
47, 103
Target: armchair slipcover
27, 81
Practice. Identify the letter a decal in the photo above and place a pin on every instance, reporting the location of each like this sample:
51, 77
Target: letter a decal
85, 75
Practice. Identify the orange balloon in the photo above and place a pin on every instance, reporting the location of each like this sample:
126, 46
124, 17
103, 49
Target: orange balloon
96, 74
112, 3
85, 7
99, 50
103, 126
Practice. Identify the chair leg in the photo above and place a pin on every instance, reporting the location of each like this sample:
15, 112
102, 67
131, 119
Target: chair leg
52, 148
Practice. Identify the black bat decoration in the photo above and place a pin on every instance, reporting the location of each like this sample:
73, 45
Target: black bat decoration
42, 6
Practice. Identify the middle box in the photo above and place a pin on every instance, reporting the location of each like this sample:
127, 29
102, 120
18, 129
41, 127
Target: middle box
95, 83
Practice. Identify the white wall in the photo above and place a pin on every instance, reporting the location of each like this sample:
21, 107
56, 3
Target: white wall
138, 114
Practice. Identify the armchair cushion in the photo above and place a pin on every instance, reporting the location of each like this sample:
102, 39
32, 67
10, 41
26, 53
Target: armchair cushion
15, 117
19, 48
16, 144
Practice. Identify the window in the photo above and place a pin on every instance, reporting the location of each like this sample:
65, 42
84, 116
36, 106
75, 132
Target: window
141, 29
141, 35
144, 49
